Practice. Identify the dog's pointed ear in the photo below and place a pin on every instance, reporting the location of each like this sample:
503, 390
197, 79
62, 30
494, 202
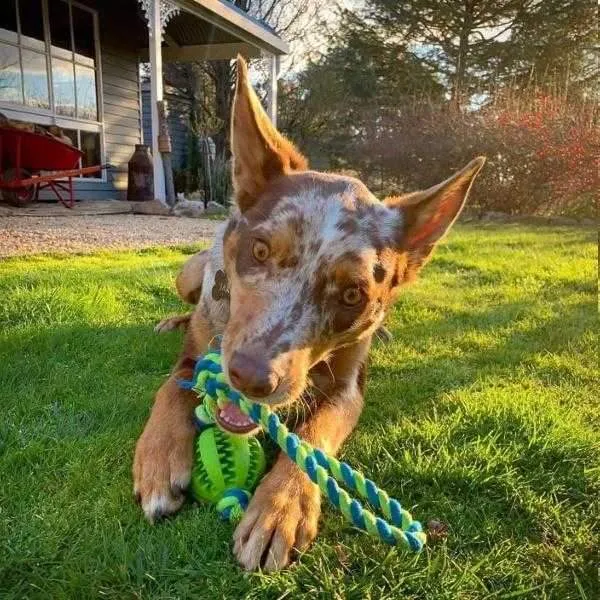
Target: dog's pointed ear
428, 215
260, 152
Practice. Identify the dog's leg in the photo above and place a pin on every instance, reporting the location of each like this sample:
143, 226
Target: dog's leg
189, 280
173, 323
163, 455
189, 288
284, 512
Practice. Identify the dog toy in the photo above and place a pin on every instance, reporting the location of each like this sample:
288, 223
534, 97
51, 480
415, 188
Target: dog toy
397, 526
226, 470
226, 467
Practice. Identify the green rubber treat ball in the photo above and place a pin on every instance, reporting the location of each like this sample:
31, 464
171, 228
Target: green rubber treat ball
227, 469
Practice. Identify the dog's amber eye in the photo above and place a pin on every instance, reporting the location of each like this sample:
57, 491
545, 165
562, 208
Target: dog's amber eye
261, 251
351, 296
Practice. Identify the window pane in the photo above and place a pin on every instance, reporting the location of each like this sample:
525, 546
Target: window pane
8, 20
83, 32
85, 79
70, 133
32, 23
35, 79
10, 74
90, 146
64, 87
60, 27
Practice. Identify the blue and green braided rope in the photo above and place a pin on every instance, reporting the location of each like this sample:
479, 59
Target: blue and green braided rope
396, 528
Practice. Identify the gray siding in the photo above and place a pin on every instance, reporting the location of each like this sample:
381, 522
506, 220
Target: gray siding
120, 81
120, 104
179, 109
121, 127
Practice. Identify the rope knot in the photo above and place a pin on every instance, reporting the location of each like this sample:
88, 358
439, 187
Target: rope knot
232, 505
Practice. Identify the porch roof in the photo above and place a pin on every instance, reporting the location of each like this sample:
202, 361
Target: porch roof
217, 29
213, 30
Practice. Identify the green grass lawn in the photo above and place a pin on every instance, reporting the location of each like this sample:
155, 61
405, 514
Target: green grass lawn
483, 414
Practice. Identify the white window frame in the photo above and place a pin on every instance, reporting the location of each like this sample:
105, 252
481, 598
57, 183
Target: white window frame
47, 117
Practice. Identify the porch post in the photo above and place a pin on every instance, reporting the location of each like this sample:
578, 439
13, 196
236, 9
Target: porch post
272, 89
156, 95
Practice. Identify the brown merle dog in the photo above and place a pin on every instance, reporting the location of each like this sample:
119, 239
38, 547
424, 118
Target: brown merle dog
297, 281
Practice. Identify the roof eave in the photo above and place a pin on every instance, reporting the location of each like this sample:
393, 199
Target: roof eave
235, 22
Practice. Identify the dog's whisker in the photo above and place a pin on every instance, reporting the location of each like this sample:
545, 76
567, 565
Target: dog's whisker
302, 407
326, 361
325, 394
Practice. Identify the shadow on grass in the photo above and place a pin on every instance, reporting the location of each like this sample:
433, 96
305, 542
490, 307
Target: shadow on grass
420, 381
86, 383
77, 399
505, 492
476, 275
79, 380
468, 274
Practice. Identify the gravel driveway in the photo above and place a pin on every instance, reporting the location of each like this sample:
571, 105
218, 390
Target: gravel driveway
30, 235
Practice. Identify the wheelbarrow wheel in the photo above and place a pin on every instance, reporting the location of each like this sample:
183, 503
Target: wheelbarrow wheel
20, 196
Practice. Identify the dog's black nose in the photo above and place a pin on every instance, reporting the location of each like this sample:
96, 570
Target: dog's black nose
252, 375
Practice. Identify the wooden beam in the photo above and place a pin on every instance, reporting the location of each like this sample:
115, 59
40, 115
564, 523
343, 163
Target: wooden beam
205, 52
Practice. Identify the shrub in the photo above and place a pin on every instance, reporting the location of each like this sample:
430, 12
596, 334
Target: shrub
542, 152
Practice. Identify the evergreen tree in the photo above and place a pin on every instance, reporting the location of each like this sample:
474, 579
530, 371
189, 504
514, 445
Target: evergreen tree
477, 45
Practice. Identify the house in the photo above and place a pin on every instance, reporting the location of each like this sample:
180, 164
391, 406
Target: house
75, 65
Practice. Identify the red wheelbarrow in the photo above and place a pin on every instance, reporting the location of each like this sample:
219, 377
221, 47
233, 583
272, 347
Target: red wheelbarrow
30, 162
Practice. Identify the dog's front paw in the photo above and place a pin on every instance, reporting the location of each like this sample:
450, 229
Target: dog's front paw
282, 518
161, 470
